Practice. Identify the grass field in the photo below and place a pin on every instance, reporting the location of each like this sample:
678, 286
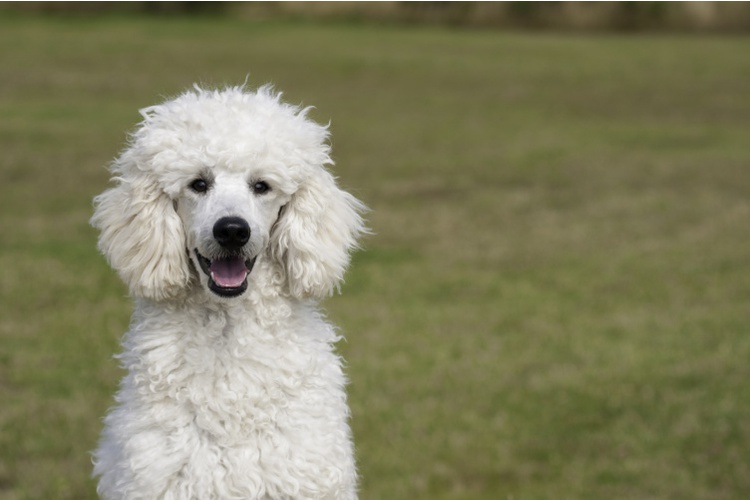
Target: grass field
556, 300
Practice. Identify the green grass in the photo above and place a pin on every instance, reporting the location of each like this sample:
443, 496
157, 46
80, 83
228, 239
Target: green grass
554, 304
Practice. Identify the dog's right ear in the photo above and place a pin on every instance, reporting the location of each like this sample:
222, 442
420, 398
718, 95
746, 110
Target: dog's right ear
141, 234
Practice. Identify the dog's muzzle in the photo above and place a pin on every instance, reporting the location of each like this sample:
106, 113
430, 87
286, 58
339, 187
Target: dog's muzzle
227, 273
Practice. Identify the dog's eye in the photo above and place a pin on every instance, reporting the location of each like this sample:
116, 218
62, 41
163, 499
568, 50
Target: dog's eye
199, 185
261, 187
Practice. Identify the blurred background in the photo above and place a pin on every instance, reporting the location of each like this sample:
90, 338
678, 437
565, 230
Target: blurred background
683, 16
554, 302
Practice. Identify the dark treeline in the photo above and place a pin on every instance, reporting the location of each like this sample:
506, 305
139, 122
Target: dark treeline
594, 16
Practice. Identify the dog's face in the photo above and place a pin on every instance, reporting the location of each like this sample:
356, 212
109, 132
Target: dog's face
213, 184
227, 218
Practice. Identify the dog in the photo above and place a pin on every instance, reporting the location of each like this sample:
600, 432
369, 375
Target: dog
228, 228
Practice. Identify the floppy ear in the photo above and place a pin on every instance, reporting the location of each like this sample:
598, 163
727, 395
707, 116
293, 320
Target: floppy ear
315, 234
142, 236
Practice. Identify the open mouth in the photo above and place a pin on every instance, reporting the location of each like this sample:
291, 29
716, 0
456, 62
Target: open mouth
227, 276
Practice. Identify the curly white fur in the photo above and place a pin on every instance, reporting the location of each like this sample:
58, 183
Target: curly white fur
233, 388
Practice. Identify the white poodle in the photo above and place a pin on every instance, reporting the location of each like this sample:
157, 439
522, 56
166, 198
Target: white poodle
227, 228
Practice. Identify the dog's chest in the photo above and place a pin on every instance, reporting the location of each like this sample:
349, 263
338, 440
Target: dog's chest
238, 381
240, 391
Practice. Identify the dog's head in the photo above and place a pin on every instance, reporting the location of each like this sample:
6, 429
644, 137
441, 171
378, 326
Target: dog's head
227, 180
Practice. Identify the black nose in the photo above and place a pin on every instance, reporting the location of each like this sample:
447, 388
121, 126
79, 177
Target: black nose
231, 232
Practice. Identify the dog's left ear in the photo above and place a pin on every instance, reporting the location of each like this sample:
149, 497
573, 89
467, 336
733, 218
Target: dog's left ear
315, 235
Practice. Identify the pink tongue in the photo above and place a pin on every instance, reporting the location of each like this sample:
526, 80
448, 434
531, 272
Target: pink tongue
228, 273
